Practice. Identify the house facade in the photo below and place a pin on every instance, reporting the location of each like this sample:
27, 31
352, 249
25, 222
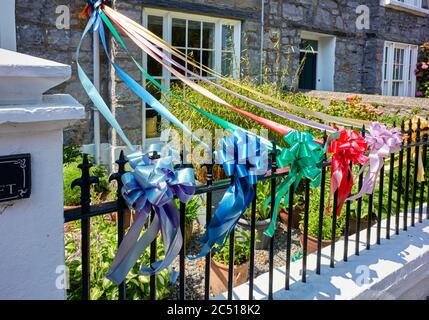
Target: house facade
367, 46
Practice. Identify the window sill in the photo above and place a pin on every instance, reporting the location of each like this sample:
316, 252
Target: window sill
405, 7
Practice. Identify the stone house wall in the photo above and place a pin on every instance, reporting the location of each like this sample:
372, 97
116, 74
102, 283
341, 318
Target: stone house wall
358, 56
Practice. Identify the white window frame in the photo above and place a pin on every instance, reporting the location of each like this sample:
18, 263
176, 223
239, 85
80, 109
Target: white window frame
409, 78
166, 77
7, 25
411, 6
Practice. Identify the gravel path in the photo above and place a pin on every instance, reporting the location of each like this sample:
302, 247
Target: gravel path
194, 269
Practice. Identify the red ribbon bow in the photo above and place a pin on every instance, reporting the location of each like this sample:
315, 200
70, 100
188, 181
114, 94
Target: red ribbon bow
350, 146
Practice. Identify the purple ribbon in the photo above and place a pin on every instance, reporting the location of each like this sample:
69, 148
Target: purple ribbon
152, 186
382, 142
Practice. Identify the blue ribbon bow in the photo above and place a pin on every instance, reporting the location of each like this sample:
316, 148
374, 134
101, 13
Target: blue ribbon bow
152, 185
245, 159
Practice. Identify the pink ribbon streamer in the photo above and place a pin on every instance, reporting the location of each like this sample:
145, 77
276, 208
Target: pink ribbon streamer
382, 142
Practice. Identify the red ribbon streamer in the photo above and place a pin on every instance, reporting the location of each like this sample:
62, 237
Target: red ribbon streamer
349, 147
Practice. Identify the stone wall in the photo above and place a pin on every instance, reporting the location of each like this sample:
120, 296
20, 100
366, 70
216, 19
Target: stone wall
37, 35
359, 53
125, 104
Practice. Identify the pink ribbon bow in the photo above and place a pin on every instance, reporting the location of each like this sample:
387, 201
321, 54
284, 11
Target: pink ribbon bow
382, 142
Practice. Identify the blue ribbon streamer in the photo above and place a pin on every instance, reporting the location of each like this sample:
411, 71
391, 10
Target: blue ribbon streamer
245, 159
152, 186
96, 23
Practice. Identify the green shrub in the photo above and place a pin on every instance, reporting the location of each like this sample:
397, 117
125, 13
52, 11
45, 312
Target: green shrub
191, 211
99, 192
70, 173
103, 246
241, 249
263, 192
313, 217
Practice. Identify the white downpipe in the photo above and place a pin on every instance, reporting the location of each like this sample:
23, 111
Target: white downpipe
96, 75
261, 70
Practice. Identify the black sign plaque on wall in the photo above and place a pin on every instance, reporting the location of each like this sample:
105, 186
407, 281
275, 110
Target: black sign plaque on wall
15, 177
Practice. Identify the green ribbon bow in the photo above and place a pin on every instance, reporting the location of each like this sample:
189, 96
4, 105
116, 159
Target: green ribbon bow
304, 158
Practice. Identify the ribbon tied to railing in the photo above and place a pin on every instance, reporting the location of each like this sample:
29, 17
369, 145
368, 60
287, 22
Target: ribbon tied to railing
245, 159
152, 185
350, 146
304, 158
382, 142
418, 158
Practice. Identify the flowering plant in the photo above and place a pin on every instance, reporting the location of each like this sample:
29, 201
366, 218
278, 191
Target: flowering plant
422, 72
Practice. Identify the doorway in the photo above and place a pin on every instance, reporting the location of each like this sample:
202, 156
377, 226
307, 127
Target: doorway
318, 53
308, 56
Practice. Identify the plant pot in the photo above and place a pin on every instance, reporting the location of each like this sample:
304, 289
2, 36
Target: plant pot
219, 276
260, 226
297, 215
312, 243
363, 224
128, 217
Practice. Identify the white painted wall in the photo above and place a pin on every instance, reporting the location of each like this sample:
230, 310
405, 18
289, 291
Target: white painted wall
396, 269
31, 230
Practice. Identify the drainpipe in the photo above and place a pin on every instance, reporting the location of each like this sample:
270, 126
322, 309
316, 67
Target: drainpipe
261, 69
96, 114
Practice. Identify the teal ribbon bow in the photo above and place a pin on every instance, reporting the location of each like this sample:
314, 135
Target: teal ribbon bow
304, 157
152, 186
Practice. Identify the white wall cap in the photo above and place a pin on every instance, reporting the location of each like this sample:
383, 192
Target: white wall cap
392, 270
24, 78
53, 110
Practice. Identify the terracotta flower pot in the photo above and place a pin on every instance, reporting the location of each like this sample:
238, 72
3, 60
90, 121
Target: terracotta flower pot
363, 224
128, 217
312, 243
260, 226
295, 219
219, 276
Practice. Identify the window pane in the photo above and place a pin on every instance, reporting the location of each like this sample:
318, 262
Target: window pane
154, 67
194, 55
154, 24
386, 57
227, 63
208, 35
179, 33
180, 61
208, 61
194, 34
227, 37
153, 124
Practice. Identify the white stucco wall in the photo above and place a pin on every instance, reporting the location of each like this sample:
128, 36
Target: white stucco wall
31, 230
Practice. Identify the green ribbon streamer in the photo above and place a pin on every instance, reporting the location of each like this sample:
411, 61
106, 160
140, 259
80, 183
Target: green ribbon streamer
304, 158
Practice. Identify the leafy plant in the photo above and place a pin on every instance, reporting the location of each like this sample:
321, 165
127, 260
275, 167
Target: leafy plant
263, 192
422, 71
313, 218
71, 153
191, 211
99, 192
241, 249
103, 242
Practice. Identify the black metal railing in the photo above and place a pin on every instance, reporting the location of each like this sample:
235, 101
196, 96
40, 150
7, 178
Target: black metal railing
414, 149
